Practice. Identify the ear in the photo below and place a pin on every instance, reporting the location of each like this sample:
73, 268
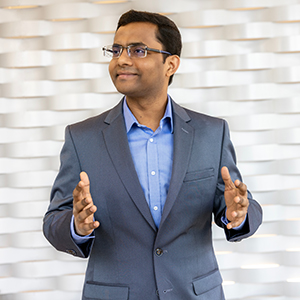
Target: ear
172, 64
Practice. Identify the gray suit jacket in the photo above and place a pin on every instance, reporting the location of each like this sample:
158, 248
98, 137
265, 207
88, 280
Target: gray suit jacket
130, 258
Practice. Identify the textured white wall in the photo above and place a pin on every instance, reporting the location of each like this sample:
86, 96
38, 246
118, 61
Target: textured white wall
240, 61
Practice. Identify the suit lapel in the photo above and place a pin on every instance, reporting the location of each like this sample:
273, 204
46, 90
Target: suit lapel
117, 146
183, 141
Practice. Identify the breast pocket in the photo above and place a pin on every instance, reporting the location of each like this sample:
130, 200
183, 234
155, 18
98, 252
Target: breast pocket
199, 175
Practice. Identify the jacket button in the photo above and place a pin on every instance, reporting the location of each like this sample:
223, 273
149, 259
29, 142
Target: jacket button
70, 251
159, 252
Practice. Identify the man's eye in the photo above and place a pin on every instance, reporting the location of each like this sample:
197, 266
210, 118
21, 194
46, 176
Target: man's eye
115, 50
139, 51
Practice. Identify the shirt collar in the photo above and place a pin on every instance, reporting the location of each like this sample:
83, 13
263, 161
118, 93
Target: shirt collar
130, 118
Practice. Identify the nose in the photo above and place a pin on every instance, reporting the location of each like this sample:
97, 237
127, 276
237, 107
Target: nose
124, 58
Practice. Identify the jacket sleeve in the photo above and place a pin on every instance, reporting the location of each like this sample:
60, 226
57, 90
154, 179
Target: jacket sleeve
57, 220
254, 216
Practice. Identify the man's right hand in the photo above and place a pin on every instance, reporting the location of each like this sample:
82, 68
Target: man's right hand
83, 207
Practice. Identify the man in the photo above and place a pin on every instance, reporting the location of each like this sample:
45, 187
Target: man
138, 184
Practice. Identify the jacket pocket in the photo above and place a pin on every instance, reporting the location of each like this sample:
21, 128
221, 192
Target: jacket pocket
198, 175
207, 282
98, 291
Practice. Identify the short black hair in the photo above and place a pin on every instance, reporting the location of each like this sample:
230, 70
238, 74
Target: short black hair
167, 32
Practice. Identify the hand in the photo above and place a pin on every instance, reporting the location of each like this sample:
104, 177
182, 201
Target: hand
236, 200
83, 207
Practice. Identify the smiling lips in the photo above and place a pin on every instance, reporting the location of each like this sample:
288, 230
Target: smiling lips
125, 75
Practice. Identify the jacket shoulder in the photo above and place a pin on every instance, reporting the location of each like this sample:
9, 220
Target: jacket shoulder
194, 117
198, 119
98, 122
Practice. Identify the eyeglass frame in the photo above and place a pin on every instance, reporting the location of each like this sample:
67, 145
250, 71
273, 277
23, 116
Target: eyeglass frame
106, 49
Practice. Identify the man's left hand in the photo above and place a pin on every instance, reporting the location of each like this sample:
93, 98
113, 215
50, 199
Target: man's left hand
236, 200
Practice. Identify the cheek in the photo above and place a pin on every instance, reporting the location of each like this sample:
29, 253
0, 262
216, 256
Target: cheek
111, 67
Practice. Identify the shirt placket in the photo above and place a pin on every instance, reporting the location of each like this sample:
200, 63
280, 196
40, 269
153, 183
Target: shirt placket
153, 175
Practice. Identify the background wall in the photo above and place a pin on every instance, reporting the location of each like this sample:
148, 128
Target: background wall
240, 61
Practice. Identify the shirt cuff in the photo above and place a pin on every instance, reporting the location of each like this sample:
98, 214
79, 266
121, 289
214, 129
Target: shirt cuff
78, 239
225, 221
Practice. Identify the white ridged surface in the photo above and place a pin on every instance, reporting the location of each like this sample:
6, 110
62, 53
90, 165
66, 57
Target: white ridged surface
240, 61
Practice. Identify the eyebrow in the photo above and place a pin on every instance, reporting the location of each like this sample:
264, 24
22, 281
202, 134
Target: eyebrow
131, 44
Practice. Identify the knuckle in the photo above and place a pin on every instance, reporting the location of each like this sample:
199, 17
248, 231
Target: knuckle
80, 218
76, 208
74, 211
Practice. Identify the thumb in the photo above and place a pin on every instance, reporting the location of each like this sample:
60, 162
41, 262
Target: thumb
226, 178
85, 181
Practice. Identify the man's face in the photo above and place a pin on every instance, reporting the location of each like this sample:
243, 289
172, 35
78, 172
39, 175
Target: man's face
139, 77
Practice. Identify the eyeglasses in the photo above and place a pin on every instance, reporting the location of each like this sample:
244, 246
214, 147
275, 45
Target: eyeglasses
133, 51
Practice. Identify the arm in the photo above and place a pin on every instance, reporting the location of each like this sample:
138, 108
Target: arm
233, 197
57, 219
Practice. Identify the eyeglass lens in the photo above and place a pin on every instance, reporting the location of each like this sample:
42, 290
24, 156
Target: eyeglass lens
132, 50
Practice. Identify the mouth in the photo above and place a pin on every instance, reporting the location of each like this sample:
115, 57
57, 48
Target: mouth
125, 75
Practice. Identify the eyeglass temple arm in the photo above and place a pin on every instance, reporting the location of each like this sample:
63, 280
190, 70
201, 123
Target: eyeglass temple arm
158, 51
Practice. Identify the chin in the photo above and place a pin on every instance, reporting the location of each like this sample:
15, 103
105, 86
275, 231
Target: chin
122, 91
125, 90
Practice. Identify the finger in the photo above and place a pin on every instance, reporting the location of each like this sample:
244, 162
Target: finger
84, 221
82, 190
243, 202
77, 192
236, 222
91, 225
85, 183
79, 201
238, 214
229, 225
84, 178
86, 228
227, 179
83, 186
232, 225
85, 214
81, 205
241, 186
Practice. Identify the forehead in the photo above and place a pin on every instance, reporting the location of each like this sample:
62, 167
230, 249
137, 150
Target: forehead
137, 32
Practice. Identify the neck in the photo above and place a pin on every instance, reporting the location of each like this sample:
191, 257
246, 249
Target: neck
148, 111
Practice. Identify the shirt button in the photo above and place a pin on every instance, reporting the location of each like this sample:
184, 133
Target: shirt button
153, 173
155, 207
151, 140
